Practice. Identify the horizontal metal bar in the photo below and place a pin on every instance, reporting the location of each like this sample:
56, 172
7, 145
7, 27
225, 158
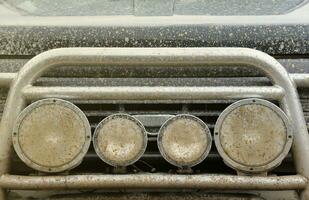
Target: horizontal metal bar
6, 79
153, 181
301, 80
153, 93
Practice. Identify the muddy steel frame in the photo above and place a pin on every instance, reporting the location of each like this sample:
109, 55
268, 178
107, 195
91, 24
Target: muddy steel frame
283, 89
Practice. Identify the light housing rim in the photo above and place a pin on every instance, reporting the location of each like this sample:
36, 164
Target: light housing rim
254, 169
49, 169
161, 148
125, 116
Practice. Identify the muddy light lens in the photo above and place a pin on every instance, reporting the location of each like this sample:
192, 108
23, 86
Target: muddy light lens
253, 135
51, 135
184, 140
120, 140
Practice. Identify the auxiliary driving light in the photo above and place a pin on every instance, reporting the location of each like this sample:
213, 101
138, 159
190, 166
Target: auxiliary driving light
253, 135
184, 140
51, 135
120, 140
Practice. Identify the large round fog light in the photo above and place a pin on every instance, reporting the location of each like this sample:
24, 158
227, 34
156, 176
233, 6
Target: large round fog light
120, 140
184, 140
253, 135
51, 135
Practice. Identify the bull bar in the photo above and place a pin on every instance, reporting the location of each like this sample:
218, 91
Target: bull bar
283, 89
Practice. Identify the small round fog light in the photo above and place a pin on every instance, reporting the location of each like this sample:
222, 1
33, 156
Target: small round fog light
120, 140
51, 135
253, 135
184, 140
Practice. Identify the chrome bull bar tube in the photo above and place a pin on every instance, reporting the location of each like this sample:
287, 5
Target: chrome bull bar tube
154, 181
283, 90
153, 93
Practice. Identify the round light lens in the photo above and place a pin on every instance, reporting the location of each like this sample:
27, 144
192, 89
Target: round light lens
253, 135
184, 140
120, 140
51, 135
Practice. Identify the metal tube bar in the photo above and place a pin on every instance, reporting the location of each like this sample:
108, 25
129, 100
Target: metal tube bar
301, 80
154, 181
6, 79
153, 93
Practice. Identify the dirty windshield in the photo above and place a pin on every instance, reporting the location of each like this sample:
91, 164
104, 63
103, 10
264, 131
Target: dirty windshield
146, 7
